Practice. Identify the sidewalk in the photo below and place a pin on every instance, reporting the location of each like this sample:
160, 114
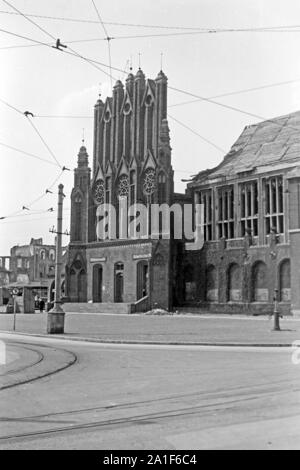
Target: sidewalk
177, 329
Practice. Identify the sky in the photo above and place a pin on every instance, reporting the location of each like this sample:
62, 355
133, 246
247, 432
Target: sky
48, 82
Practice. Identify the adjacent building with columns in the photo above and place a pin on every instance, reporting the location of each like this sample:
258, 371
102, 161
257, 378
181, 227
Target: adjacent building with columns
251, 224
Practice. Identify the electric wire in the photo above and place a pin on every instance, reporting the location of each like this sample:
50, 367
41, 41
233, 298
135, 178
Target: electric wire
139, 25
197, 134
238, 92
53, 37
28, 19
27, 153
107, 37
232, 108
44, 142
34, 201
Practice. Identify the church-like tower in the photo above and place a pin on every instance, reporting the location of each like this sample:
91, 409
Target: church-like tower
132, 153
80, 200
131, 162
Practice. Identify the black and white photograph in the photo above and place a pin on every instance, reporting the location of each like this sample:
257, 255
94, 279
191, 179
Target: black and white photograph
149, 228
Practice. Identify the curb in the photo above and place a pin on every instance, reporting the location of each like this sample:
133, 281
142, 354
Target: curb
157, 343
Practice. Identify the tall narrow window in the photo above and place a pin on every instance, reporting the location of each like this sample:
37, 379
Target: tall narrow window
107, 189
123, 194
226, 212
274, 217
206, 200
249, 208
162, 192
77, 233
132, 192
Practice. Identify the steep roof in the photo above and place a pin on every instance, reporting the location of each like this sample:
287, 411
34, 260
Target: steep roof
266, 143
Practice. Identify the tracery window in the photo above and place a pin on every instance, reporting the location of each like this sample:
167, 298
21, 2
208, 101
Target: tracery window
123, 187
99, 192
149, 182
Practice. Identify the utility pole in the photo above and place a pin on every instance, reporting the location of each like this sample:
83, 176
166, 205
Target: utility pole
56, 316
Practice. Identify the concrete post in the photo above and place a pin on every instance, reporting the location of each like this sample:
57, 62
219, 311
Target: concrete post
56, 316
276, 326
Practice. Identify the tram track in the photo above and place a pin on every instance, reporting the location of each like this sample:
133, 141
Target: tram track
200, 410
41, 358
27, 366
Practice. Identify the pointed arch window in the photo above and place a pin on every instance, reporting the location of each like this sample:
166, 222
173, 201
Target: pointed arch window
108, 190
132, 191
123, 193
149, 185
78, 205
99, 192
162, 188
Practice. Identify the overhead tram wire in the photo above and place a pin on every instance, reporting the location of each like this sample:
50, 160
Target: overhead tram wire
11, 106
231, 108
55, 39
27, 153
197, 134
28, 19
75, 54
36, 130
238, 92
158, 35
44, 142
108, 38
34, 201
81, 20
199, 99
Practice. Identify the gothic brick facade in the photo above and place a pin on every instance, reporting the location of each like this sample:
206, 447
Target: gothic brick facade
132, 163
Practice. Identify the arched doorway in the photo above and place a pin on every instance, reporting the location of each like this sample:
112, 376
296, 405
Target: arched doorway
73, 293
142, 279
260, 291
211, 284
97, 283
119, 282
234, 281
82, 290
285, 281
189, 283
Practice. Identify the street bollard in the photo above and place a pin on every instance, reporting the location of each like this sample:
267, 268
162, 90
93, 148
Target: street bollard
276, 326
15, 311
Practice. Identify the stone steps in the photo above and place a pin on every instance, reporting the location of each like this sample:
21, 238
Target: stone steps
87, 307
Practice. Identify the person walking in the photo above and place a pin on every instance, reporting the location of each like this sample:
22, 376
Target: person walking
41, 305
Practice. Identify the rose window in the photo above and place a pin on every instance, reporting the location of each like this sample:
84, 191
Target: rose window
149, 182
99, 192
123, 187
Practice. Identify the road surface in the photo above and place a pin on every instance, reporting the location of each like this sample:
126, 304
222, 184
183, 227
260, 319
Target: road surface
62, 394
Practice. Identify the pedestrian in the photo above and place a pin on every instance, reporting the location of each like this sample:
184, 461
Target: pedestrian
41, 305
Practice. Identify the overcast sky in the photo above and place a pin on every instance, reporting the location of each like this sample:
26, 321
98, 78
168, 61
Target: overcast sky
46, 82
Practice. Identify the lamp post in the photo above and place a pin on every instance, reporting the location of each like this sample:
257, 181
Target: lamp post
56, 316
